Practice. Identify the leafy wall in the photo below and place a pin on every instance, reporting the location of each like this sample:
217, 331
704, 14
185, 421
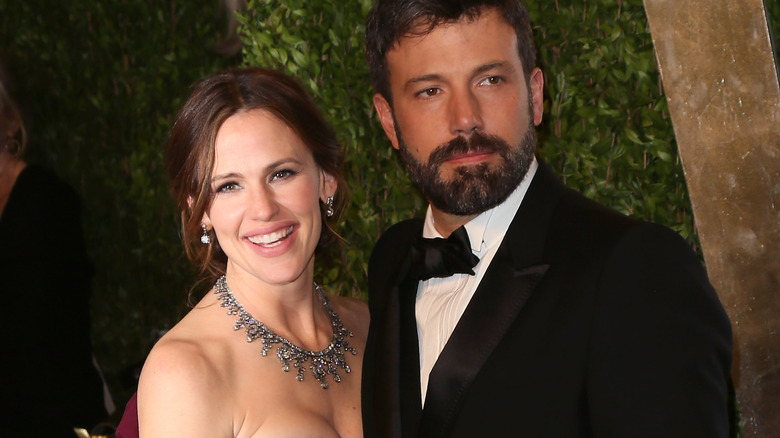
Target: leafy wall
606, 129
103, 80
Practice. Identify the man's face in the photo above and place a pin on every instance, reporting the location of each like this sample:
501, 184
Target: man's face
463, 115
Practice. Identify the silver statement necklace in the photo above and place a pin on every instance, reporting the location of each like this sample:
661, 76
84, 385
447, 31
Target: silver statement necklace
323, 363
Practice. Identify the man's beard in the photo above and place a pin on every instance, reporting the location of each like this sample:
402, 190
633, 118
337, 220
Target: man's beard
476, 188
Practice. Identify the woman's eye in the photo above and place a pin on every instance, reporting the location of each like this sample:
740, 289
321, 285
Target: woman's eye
282, 174
228, 187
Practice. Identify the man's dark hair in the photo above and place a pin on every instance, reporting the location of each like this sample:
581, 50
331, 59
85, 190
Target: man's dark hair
391, 20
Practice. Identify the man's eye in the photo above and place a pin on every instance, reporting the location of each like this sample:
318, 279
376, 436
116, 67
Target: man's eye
428, 92
492, 80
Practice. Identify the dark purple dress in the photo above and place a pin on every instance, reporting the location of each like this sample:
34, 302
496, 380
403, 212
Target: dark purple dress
128, 426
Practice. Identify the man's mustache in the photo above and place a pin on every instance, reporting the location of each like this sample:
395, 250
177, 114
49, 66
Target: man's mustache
461, 145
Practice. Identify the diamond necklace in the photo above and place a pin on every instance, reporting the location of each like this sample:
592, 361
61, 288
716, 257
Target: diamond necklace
323, 363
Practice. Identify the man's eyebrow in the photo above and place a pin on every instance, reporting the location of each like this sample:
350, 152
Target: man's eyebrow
438, 77
422, 78
490, 66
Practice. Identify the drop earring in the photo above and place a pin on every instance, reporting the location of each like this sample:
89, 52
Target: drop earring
205, 238
329, 207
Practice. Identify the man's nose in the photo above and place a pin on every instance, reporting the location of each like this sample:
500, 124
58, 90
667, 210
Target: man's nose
465, 112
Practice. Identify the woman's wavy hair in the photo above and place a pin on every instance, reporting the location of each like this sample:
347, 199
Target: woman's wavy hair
191, 149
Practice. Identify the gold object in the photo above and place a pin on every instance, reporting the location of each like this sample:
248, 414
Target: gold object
721, 82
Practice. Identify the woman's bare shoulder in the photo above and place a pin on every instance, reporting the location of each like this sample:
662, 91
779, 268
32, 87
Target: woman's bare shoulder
182, 384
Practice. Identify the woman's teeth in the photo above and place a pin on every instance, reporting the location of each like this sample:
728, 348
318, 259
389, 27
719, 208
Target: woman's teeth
271, 239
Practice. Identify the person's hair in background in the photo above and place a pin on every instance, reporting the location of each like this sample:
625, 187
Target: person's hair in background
13, 135
231, 44
391, 21
191, 149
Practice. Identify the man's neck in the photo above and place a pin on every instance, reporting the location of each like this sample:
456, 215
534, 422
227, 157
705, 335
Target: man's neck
446, 223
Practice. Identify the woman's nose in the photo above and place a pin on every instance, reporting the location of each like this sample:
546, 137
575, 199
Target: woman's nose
264, 205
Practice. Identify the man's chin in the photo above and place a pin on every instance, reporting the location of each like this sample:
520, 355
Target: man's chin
451, 174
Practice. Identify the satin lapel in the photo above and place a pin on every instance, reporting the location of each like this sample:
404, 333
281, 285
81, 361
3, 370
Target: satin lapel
385, 379
395, 382
511, 278
409, 363
482, 326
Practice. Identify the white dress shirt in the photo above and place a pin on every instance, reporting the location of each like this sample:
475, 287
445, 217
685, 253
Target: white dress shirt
441, 301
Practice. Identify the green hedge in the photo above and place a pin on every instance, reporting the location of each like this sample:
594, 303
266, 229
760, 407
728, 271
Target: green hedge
103, 80
606, 129
321, 43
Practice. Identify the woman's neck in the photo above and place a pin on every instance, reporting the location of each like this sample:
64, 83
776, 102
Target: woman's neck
293, 310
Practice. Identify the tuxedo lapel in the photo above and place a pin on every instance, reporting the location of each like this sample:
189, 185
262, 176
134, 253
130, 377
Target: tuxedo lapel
385, 379
514, 272
494, 307
395, 362
409, 363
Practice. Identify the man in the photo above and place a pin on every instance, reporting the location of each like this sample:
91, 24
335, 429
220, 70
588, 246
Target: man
559, 317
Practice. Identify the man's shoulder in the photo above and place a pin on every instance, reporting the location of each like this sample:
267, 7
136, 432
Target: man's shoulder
399, 235
395, 240
407, 228
393, 245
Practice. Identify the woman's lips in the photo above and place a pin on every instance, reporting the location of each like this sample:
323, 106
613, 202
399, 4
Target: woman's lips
271, 239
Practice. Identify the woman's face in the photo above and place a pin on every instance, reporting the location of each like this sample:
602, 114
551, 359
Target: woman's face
267, 187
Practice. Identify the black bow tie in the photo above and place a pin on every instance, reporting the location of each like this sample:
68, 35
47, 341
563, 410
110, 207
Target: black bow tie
443, 257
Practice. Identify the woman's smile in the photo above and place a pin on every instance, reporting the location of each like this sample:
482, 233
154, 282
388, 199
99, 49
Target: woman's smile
271, 239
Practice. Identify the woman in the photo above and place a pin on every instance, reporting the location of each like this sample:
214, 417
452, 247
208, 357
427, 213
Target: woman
255, 171
52, 384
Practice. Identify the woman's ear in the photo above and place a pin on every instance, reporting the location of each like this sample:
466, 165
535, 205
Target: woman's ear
328, 186
205, 220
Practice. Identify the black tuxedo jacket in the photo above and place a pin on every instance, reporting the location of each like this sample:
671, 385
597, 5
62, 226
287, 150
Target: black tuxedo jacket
586, 324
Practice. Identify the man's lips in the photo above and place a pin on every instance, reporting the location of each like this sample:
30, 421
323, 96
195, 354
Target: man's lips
471, 157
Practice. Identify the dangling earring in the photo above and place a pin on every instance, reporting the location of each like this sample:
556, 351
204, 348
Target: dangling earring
329, 207
205, 238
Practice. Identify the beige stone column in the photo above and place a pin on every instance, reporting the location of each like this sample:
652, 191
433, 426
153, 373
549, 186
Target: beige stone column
721, 83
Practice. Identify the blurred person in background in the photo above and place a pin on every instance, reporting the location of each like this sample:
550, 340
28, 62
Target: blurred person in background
51, 383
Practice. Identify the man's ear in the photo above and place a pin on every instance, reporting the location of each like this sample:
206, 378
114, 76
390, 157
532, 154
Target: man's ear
536, 85
385, 113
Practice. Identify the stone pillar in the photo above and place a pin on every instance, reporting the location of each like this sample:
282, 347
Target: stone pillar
721, 82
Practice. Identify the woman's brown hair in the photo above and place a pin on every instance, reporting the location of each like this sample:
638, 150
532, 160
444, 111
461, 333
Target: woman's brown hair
191, 148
